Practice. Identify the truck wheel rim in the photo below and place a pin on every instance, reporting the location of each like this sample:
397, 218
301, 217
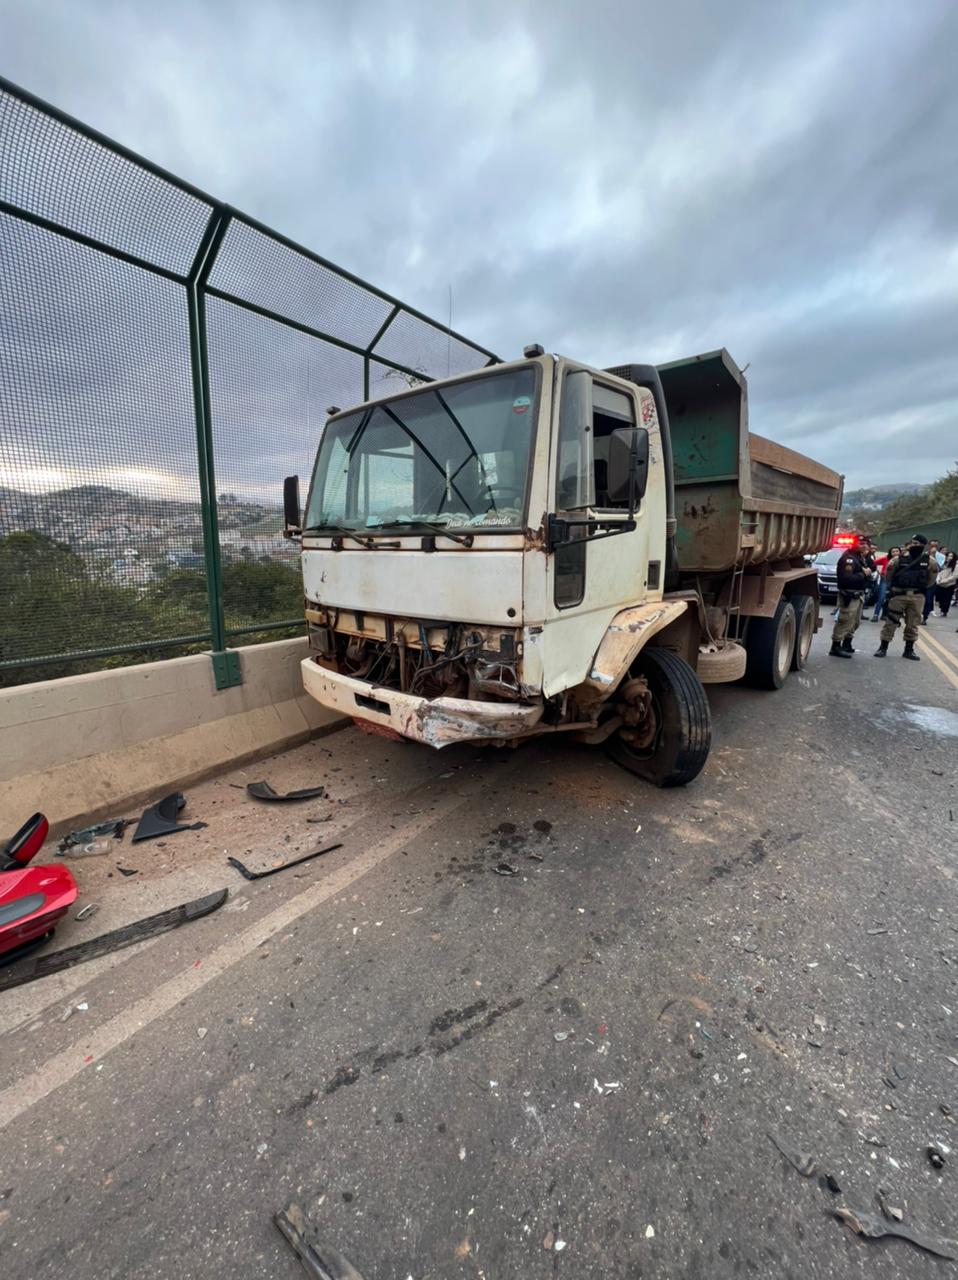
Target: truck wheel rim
807, 633
786, 645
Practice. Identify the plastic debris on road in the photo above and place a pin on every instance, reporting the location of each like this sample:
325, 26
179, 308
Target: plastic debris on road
321, 1261
263, 791
161, 819
871, 1227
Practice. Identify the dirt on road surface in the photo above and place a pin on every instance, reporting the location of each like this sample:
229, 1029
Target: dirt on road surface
570, 1070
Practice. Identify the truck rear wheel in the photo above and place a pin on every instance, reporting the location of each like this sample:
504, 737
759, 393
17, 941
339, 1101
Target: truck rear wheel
805, 612
770, 643
680, 723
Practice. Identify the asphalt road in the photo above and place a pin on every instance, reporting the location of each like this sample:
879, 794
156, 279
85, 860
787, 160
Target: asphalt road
456, 1072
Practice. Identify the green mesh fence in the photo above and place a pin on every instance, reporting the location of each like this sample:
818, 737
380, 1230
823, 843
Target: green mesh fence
164, 363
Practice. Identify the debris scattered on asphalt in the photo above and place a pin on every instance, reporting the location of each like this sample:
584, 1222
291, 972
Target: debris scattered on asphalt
84, 835
873, 1139
201, 1032
750, 947
560, 1245
126, 936
548, 1240
321, 1261
325, 818
935, 1155
873, 933
127, 871
890, 1211
650, 1232
871, 1227
86, 912
160, 819
506, 869
535, 856
261, 875
606, 1089
561, 1035
263, 791
94, 849
801, 1161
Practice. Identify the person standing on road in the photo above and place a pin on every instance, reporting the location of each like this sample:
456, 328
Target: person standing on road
883, 582
935, 562
852, 575
908, 577
946, 582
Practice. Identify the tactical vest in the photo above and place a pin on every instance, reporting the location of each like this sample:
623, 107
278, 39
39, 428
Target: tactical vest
911, 575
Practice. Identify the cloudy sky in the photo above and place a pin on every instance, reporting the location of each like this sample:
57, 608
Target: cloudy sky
618, 181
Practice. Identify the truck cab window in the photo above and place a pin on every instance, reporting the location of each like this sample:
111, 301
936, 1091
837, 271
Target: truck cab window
610, 409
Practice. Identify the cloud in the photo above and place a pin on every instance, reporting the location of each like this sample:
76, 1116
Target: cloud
617, 182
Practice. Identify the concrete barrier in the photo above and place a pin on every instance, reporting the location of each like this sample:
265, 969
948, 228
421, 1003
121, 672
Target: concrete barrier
99, 744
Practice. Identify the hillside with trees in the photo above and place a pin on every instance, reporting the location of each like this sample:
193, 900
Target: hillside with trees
939, 501
917, 504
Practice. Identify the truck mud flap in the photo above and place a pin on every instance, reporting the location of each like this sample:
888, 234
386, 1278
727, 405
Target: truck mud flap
126, 936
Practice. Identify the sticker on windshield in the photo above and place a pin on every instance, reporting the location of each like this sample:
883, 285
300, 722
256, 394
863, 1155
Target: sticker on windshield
521, 404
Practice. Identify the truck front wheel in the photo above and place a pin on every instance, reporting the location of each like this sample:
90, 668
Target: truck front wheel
671, 744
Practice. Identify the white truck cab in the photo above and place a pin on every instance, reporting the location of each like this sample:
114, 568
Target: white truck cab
485, 559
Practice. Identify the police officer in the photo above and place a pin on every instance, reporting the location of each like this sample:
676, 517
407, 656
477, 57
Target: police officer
908, 576
853, 574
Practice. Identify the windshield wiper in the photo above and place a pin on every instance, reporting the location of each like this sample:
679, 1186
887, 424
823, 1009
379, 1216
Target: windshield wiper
465, 540
343, 532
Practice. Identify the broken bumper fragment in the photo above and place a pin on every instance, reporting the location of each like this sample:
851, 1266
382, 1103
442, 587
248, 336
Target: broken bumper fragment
436, 721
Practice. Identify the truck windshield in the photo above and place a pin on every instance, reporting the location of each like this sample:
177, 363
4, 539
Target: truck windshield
457, 456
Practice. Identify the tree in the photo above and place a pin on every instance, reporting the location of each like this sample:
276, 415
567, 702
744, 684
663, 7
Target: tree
938, 502
262, 592
57, 602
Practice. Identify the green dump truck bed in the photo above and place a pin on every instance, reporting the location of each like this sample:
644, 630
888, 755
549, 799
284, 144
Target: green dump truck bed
739, 498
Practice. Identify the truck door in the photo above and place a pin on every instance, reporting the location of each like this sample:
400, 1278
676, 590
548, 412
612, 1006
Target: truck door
591, 580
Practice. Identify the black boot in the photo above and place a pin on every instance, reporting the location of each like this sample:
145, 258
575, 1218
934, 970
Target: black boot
847, 645
910, 652
836, 651
882, 650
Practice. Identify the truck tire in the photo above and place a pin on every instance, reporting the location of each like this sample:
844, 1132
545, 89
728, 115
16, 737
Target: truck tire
805, 616
683, 732
721, 666
770, 643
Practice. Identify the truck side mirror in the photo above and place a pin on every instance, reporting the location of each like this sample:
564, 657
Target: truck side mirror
291, 508
628, 466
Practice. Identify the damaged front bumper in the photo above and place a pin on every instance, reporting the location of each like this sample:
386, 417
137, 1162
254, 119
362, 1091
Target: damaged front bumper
438, 722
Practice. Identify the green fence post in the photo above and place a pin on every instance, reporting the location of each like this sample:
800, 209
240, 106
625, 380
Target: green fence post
226, 662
